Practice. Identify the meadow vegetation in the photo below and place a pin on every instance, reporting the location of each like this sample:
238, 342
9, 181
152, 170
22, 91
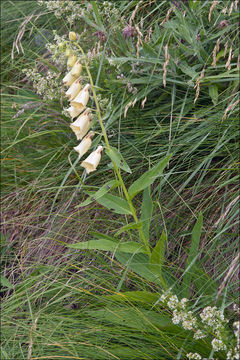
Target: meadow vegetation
138, 259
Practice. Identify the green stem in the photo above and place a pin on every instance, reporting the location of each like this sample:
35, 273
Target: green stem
141, 233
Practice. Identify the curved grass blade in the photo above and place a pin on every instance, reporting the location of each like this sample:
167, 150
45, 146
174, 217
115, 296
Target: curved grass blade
193, 254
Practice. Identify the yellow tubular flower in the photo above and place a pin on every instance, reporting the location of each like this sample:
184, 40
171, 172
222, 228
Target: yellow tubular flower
77, 69
82, 124
81, 100
92, 161
68, 79
73, 111
71, 60
84, 145
74, 89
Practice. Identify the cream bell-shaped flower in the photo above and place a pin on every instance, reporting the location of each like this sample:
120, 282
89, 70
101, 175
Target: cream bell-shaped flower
92, 161
71, 60
84, 145
82, 124
73, 112
74, 89
77, 69
81, 100
68, 79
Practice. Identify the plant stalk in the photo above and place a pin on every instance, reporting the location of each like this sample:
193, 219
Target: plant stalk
142, 236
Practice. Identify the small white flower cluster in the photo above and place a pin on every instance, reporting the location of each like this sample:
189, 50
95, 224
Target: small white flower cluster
68, 9
47, 86
235, 352
212, 317
212, 322
218, 345
236, 326
195, 356
56, 48
199, 334
180, 314
110, 11
188, 321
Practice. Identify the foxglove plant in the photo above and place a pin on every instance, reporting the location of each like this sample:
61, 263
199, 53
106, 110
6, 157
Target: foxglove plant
211, 321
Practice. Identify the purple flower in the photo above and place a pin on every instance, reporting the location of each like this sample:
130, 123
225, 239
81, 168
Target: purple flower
128, 32
100, 35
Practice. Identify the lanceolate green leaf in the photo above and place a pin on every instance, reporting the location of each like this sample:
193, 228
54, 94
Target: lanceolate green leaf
97, 15
108, 245
146, 211
130, 226
138, 263
115, 204
139, 296
213, 92
149, 177
193, 253
5, 282
157, 257
100, 236
137, 318
102, 191
117, 157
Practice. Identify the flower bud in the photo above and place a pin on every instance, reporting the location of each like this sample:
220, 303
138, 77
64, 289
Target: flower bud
81, 100
71, 60
92, 161
73, 111
72, 36
74, 89
84, 145
68, 52
77, 69
82, 124
61, 45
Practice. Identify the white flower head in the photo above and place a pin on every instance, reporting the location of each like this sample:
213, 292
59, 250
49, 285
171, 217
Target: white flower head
81, 100
218, 345
74, 89
73, 111
82, 124
92, 161
194, 356
183, 303
77, 69
84, 145
163, 297
173, 302
199, 335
